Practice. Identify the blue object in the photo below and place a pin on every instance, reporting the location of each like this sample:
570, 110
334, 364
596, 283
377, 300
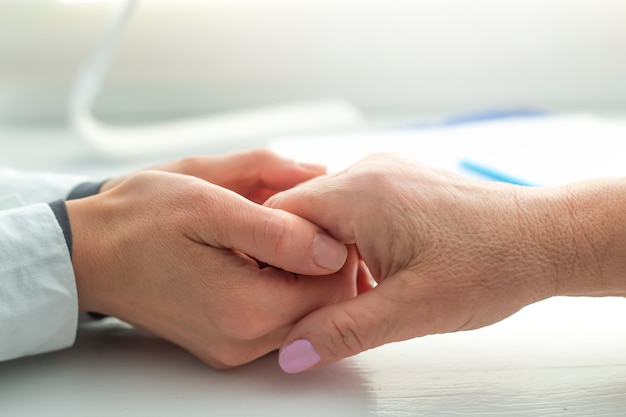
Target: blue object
482, 117
492, 174
478, 117
490, 115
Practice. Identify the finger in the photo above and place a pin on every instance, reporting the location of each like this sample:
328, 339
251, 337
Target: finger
309, 293
319, 202
270, 169
260, 195
280, 298
364, 279
272, 236
344, 329
278, 173
244, 171
280, 301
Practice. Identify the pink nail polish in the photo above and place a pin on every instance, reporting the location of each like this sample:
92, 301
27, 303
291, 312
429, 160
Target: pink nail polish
298, 356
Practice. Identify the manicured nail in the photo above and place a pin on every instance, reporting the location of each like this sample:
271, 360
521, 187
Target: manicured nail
298, 356
328, 253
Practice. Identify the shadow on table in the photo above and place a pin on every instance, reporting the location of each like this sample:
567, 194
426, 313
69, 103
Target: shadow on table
126, 371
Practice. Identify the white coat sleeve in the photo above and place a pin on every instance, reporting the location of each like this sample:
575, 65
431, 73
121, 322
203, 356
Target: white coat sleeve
37, 187
38, 299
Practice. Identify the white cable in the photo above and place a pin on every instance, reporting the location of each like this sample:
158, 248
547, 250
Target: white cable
250, 125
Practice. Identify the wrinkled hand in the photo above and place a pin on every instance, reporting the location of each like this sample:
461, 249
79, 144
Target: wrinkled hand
449, 253
172, 254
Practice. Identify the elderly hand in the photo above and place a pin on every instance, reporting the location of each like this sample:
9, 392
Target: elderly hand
451, 253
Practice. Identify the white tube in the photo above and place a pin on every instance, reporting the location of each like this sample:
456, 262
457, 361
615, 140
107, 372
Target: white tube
249, 125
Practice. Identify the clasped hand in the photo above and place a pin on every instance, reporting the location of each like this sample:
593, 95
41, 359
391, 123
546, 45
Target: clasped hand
180, 251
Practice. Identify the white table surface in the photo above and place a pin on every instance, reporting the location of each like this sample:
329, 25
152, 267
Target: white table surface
559, 357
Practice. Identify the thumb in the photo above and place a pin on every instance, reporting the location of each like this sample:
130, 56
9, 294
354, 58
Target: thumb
278, 238
340, 330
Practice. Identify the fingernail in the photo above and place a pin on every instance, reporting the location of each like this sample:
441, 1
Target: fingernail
298, 356
328, 253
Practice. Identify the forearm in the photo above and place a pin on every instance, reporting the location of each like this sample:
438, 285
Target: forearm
589, 237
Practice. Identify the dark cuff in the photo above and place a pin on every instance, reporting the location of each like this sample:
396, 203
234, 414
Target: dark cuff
60, 212
59, 208
86, 189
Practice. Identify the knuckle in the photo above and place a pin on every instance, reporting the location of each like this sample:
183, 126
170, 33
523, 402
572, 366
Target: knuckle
200, 196
274, 233
377, 174
379, 157
262, 155
347, 340
192, 164
192, 195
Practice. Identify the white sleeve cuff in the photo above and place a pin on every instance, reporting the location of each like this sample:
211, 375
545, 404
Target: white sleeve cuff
38, 187
38, 298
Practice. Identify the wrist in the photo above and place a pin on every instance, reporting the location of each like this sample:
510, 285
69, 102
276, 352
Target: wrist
81, 191
590, 221
88, 250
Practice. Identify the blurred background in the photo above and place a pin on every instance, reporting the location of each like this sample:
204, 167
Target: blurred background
394, 57
394, 60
